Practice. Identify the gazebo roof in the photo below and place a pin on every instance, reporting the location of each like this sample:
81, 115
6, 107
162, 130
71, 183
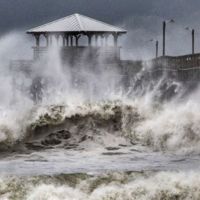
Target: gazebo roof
76, 23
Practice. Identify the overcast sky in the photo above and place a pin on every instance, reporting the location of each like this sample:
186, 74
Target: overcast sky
142, 18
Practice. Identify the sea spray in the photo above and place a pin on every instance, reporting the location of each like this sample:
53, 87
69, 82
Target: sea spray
174, 127
85, 102
116, 186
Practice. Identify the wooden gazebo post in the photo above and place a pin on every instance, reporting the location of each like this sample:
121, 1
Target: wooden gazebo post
37, 39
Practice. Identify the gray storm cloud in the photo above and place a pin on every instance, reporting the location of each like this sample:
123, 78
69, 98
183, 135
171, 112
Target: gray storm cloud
142, 18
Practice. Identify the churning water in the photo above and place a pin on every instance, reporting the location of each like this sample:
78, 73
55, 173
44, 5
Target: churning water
97, 140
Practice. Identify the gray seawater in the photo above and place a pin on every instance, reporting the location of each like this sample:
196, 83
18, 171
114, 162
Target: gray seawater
133, 158
109, 150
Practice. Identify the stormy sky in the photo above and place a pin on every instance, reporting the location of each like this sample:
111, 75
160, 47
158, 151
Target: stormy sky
142, 18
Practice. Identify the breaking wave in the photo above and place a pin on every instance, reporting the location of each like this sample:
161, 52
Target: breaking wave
163, 127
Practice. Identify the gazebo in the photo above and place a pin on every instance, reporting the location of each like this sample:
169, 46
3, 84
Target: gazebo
70, 29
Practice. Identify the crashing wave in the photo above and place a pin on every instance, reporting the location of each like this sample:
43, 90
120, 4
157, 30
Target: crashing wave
99, 123
166, 127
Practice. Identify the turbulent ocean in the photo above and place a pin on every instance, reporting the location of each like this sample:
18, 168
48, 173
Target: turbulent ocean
93, 139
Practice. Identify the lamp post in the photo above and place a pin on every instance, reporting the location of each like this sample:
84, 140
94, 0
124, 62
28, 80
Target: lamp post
192, 31
157, 44
164, 34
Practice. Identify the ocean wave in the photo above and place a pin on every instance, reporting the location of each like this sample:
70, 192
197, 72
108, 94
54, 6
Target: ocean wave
101, 124
116, 186
163, 127
167, 127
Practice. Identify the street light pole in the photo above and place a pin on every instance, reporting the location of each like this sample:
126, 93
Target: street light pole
157, 44
157, 48
192, 41
164, 33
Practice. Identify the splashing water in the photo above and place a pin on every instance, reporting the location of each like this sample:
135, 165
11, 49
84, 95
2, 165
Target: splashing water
63, 146
117, 186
